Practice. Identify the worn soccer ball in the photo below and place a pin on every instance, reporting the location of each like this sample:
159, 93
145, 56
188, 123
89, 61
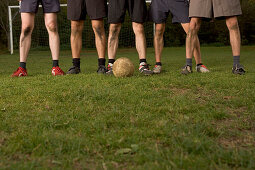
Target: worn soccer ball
123, 67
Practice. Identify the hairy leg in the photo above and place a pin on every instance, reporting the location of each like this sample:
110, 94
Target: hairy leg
234, 32
196, 52
98, 27
76, 38
26, 32
192, 37
140, 39
52, 28
113, 40
159, 41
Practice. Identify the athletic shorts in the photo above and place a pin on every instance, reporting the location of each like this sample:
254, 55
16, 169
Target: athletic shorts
31, 6
214, 8
160, 9
78, 9
117, 10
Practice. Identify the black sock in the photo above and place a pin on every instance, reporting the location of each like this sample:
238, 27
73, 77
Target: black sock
54, 63
143, 61
111, 61
22, 65
236, 60
199, 64
101, 61
158, 63
76, 62
189, 62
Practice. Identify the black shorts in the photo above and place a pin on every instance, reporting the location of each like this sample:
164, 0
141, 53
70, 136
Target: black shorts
117, 10
78, 9
160, 9
31, 6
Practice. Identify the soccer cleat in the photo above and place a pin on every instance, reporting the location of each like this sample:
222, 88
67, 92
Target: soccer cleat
186, 70
238, 69
157, 69
74, 70
144, 69
56, 71
101, 69
202, 69
20, 72
109, 69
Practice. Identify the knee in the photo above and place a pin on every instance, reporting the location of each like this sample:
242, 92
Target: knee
98, 29
138, 28
52, 27
114, 30
76, 27
193, 29
159, 32
27, 30
232, 23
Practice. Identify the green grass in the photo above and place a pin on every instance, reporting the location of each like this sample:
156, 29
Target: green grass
167, 121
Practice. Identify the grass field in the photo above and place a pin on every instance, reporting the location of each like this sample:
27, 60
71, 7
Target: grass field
90, 121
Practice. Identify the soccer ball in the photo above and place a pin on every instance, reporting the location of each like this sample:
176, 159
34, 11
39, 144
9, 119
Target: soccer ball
123, 67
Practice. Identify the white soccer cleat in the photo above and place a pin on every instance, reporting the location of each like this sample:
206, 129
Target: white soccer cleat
202, 69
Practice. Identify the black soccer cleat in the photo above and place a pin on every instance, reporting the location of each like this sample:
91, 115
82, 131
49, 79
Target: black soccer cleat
238, 69
101, 69
74, 70
186, 70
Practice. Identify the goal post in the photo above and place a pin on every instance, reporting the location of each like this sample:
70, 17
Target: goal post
40, 35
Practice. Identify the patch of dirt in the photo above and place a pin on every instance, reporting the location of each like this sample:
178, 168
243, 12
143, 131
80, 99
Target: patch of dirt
237, 112
238, 129
2, 141
246, 140
228, 97
180, 91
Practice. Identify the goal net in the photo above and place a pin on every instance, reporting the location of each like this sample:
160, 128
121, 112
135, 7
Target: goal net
40, 39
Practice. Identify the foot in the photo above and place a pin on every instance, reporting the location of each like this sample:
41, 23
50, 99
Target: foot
74, 70
186, 70
238, 69
56, 71
109, 69
101, 69
202, 69
157, 69
20, 72
144, 69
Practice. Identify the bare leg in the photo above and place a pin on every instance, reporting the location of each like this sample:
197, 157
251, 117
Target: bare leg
192, 38
76, 38
113, 40
234, 32
196, 53
159, 41
52, 28
140, 39
98, 27
26, 32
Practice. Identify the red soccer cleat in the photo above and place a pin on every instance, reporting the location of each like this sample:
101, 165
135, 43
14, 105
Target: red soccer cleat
56, 71
20, 72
